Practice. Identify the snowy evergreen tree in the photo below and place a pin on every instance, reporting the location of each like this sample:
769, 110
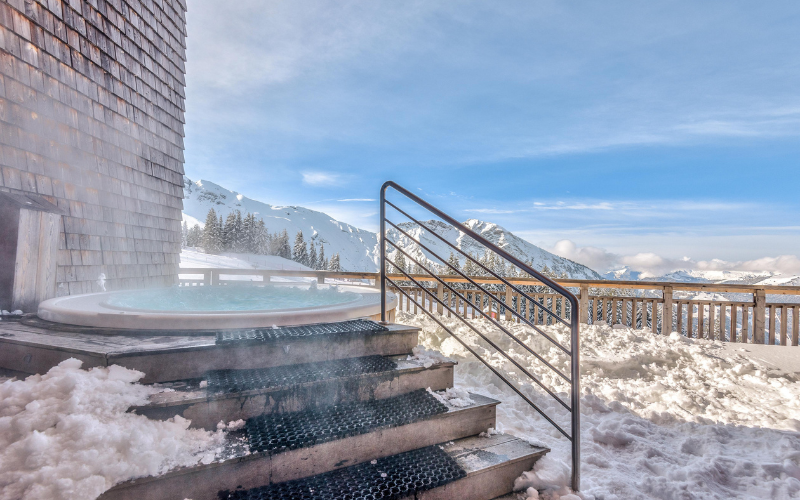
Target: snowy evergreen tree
195, 237
228, 235
453, 261
334, 264
184, 235
281, 245
322, 264
261, 243
400, 261
211, 235
312, 255
470, 268
238, 234
300, 251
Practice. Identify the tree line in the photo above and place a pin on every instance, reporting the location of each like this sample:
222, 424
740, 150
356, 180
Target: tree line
246, 234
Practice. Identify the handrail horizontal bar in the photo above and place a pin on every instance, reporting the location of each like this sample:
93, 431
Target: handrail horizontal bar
479, 358
502, 352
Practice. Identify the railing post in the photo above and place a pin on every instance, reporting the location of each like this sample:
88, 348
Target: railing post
666, 312
583, 307
440, 296
382, 242
759, 315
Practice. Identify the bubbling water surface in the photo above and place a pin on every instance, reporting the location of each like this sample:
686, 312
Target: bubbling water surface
230, 298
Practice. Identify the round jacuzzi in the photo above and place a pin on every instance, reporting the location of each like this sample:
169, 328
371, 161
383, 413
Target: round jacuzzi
216, 307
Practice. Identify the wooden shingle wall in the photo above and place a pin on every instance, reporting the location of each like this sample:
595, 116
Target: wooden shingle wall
91, 117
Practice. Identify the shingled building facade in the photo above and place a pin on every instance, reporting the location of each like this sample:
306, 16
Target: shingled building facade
91, 120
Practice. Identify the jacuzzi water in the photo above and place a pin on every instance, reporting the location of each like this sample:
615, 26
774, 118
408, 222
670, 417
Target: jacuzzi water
230, 298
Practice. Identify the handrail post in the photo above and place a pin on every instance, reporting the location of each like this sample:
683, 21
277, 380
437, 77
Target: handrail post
759, 315
666, 311
382, 243
440, 296
575, 400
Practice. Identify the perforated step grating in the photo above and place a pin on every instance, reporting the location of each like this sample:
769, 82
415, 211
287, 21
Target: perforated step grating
243, 380
275, 433
258, 335
388, 478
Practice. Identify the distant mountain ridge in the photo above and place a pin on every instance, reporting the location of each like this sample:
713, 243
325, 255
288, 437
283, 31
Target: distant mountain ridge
498, 235
358, 248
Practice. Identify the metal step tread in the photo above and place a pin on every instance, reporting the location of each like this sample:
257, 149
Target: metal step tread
232, 381
239, 466
260, 335
464, 469
389, 477
276, 433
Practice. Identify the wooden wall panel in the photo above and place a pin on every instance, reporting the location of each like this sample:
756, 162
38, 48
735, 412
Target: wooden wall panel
91, 117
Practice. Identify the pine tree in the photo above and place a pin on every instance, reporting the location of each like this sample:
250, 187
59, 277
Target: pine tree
238, 234
312, 256
261, 238
195, 237
283, 248
322, 264
300, 251
210, 233
220, 235
470, 268
184, 235
334, 264
399, 261
453, 261
228, 233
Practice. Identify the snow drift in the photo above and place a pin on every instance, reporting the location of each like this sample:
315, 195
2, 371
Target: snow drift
66, 434
662, 416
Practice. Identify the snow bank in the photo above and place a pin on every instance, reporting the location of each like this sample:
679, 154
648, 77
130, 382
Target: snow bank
66, 434
662, 416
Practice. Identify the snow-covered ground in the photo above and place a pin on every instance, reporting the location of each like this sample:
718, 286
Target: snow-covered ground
662, 417
191, 257
66, 434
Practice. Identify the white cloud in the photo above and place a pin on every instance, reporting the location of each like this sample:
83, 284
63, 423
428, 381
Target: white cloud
490, 211
596, 258
321, 179
651, 264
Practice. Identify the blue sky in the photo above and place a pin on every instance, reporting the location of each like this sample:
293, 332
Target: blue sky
635, 133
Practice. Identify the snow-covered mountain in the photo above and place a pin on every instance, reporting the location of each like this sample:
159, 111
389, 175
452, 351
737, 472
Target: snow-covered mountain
498, 235
699, 276
356, 247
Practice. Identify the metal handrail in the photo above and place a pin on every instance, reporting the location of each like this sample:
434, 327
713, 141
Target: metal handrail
573, 323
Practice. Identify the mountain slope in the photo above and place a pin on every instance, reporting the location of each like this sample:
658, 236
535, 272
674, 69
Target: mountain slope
497, 235
356, 247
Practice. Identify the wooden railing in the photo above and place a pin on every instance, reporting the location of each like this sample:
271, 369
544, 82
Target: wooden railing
751, 321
